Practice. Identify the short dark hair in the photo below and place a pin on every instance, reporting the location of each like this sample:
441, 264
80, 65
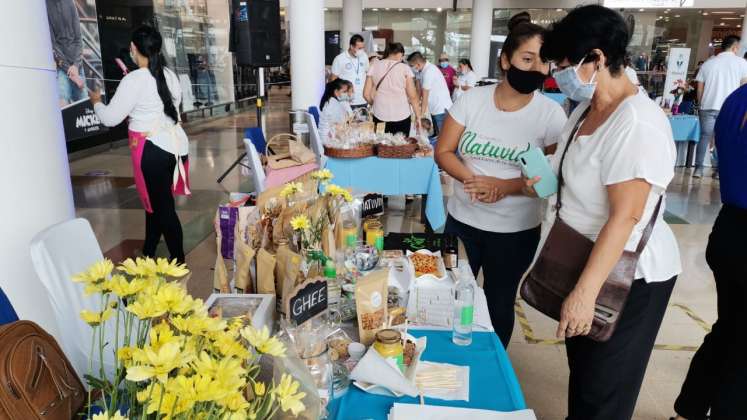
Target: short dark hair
729, 42
584, 29
416, 57
394, 48
520, 30
356, 39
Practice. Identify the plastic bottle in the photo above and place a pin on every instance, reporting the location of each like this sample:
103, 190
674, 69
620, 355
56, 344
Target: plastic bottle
334, 288
464, 309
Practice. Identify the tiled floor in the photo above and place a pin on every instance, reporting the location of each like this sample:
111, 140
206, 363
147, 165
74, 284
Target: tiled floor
110, 203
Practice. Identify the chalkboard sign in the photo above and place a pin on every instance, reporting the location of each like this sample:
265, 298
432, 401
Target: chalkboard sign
307, 300
373, 204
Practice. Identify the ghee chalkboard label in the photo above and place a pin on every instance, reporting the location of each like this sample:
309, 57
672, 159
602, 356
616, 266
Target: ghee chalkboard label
307, 300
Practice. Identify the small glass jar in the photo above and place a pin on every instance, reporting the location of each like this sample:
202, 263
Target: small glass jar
389, 345
375, 235
349, 233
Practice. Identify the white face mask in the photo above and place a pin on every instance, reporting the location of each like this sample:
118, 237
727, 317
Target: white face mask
572, 86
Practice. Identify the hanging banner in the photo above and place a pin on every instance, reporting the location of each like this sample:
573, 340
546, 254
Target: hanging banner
73, 27
679, 59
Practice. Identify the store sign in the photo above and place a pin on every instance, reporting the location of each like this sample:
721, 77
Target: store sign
624, 4
307, 300
373, 204
679, 59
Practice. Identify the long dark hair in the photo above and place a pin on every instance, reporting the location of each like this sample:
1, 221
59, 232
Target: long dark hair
329, 91
466, 62
520, 30
148, 42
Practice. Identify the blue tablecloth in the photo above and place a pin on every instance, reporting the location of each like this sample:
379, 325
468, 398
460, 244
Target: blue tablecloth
557, 97
394, 177
492, 382
685, 127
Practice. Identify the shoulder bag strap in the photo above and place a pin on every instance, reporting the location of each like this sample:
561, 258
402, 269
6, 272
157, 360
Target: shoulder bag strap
649, 227
561, 180
386, 74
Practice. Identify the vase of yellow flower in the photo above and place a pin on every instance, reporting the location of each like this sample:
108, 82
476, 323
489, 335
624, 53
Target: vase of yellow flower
174, 360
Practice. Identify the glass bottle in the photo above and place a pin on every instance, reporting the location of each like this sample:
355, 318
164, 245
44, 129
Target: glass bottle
450, 252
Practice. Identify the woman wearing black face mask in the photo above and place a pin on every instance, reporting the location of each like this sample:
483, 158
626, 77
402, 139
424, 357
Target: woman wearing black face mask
486, 131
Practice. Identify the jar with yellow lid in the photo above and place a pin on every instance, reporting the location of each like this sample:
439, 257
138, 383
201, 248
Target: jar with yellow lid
375, 235
389, 345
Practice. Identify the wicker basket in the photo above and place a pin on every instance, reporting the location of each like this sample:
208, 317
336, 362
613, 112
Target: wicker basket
405, 151
362, 151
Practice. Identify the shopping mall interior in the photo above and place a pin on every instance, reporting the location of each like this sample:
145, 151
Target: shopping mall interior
63, 163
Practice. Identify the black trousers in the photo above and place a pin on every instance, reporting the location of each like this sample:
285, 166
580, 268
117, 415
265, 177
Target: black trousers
158, 169
394, 127
717, 378
606, 378
503, 257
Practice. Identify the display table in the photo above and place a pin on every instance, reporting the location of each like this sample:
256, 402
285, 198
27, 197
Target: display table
277, 177
416, 176
686, 133
492, 382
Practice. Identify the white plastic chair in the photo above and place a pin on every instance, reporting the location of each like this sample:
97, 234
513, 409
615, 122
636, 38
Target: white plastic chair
58, 253
315, 139
258, 171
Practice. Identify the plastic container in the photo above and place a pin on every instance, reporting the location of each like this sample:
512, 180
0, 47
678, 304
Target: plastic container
464, 310
389, 345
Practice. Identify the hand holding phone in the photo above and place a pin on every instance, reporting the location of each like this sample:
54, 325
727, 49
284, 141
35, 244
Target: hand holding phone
534, 164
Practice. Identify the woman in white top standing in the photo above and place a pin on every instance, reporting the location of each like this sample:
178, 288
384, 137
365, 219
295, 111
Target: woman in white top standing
484, 135
616, 170
466, 80
335, 105
150, 97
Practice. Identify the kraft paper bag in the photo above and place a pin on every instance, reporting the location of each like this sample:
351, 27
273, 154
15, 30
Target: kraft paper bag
244, 257
220, 276
291, 275
265, 272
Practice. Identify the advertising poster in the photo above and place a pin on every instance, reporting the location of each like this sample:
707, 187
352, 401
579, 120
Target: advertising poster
73, 27
679, 59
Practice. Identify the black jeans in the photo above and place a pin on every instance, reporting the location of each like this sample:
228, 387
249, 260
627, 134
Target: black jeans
717, 378
503, 257
158, 169
394, 127
606, 378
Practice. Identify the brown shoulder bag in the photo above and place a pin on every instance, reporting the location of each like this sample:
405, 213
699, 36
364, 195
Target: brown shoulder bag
562, 260
37, 380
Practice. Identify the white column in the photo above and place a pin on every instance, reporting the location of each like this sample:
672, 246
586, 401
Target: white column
704, 40
307, 52
482, 27
34, 172
352, 20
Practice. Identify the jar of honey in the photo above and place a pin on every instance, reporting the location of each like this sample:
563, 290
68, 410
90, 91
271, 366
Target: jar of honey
389, 345
375, 235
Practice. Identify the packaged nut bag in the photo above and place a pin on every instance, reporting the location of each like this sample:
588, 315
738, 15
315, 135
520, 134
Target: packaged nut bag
371, 304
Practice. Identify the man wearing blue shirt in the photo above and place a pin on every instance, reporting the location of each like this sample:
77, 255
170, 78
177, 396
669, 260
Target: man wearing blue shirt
717, 378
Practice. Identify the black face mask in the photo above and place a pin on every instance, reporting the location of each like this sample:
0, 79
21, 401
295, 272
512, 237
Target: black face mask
525, 81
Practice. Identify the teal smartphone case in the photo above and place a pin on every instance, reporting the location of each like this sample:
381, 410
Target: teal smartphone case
534, 163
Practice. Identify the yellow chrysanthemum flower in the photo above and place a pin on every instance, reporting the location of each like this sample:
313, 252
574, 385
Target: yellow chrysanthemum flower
227, 345
227, 371
300, 222
146, 307
169, 405
107, 416
95, 318
288, 395
261, 340
96, 273
124, 288
171, 268
141, 267
157, 364
337, 191
259, 389
323, 175
290, 189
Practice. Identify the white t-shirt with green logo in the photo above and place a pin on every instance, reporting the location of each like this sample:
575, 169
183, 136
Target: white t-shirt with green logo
491, 145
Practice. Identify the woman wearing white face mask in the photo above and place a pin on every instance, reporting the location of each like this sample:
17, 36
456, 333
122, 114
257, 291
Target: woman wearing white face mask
615, 160
466, 80
335, 105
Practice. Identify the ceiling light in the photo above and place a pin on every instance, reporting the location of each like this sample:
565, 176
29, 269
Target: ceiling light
386, 8
731, 18
558, 10
326, 10
439, 9
722, 13
676, 16
426, 10
722, 24
666, 11
399, 10
705, 13
375, 9
641, 10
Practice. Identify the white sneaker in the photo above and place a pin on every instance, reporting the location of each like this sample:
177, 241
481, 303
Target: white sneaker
698, 173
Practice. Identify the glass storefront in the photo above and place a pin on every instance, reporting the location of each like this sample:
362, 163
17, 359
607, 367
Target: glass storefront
196, 46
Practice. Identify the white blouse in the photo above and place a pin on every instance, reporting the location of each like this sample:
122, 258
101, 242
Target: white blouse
634, 143
137, 97
334, 112
468, 79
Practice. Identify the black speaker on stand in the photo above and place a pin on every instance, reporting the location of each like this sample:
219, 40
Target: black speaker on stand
255, 32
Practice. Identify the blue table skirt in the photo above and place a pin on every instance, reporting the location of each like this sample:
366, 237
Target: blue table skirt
685, 127
394, 177
492, 381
